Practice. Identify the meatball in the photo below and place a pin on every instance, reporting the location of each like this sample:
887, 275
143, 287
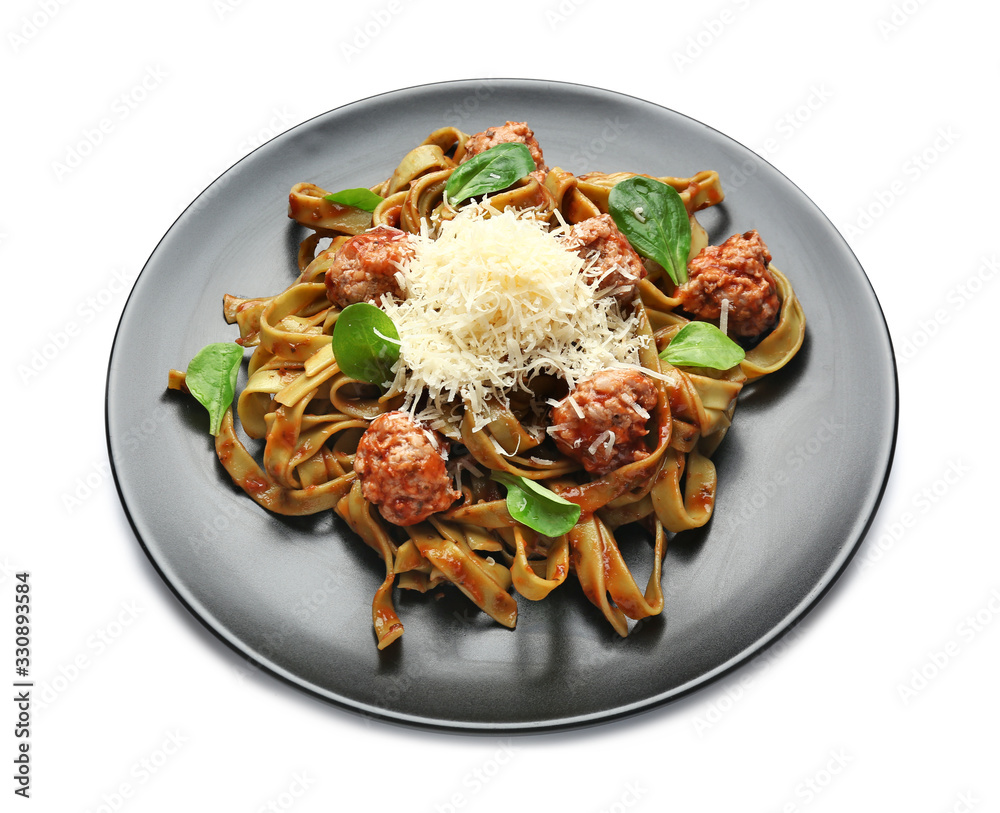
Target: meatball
402, 469
513, 132
365, 267
615, 407
736, 271
616, 266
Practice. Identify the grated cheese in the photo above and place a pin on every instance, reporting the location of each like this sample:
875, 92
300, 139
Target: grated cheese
638, 408
605, 439
500, 449
493, 302
383, 337
464, 463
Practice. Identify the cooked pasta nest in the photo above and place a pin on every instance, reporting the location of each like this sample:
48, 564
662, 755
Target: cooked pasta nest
309, 415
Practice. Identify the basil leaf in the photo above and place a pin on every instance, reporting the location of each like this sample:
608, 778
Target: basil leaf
360, 198
661, 230
366, 343
211, 378
536, 506
490, 171
700, 344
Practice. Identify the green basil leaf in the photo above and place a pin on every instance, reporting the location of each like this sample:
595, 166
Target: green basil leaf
490, 171
360, 198
700, 344
211, 378
536, 506
366, 343
652, 216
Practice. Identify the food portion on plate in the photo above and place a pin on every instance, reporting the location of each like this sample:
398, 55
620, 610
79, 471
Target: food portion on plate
487, 366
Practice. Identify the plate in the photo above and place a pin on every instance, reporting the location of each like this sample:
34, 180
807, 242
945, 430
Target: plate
800, 474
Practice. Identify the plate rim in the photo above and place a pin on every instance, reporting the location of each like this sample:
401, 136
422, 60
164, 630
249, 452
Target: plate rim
791, 619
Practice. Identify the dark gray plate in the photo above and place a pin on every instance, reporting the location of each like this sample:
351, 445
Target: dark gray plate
800, 474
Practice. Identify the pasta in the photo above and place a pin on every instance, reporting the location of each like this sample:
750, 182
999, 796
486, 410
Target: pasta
576, 399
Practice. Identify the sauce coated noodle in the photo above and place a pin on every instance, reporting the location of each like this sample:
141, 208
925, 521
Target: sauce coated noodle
656, 468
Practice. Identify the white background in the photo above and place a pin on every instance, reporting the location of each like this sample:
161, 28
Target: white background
884, 113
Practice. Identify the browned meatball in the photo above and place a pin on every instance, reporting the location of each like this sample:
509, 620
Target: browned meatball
615, 404
364, 269
616, 265
513, 132
402, 470
737, 271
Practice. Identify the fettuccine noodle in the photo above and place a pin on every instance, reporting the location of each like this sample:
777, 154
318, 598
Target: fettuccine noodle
309, 415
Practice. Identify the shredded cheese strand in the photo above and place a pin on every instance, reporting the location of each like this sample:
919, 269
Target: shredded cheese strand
491, 303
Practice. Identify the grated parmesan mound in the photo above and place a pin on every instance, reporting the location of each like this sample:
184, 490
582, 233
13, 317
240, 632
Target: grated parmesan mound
493, 302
